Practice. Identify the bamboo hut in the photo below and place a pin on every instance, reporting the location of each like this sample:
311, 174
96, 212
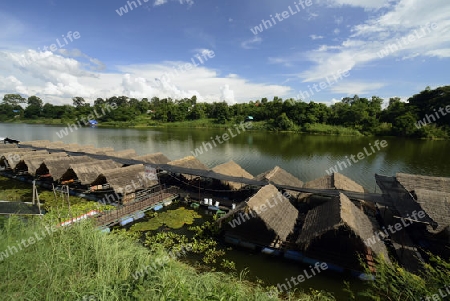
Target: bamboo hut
31, 162
56, 167
266, 219
232, 169
124, 181
337, 232
85, 173
156, 158
279, 176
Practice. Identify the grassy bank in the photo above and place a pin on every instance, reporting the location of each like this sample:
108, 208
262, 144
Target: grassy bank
80, 262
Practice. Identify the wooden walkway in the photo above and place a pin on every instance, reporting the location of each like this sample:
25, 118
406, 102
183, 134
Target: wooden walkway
114, 217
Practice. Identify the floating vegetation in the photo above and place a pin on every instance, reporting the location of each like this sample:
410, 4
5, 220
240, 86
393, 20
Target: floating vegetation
174, 219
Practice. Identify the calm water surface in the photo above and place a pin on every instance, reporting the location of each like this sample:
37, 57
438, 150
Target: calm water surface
305, 156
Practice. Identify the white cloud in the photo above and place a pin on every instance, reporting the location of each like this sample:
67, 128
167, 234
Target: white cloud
366, 4
57, 78
250, 44
356, 87
315, 37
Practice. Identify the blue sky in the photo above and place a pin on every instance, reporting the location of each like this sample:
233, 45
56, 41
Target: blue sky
128, 53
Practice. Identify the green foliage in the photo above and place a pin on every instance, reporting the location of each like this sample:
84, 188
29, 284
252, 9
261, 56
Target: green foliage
393, 282
362, 115
174, 219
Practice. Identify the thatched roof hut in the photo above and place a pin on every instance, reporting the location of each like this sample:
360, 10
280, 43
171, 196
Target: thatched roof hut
125, 179
9, 154
339, 223
274, 218
231, 168
31, 162
20, 156
437, 205
96, 150
414, 182
87, 172
279, 176
124, 154
156, 158
188, 162
56, 167
333, 181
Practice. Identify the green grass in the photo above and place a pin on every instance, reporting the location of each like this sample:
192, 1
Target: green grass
80, 262
325, 129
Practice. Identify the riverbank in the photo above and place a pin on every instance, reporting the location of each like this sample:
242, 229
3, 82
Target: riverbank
145, 123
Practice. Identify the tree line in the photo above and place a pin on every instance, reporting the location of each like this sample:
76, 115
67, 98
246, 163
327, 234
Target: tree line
365, 115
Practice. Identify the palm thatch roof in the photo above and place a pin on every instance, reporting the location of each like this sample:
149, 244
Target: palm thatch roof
9, 154
274, 210
437, 205
13, 163
125, 154
96, 150
279, 176
231, 168
156, 158
414, 182
9, 145
87, 172
337, 213
37, 143
31, 163
125, 179
74, 147
333, 181
188, 162
56, 167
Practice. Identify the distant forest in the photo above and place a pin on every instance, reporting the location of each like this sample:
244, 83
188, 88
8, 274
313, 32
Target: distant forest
424, 115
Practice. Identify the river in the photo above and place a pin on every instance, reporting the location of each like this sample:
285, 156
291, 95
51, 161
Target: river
305, 156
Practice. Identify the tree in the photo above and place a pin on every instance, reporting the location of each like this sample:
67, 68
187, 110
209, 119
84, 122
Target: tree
35, 101
13, 99
78, 102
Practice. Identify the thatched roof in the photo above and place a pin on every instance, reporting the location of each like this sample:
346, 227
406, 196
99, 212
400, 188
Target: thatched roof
8, 145
7, 153
96, 150
74, 147
231, 168
437, 205
56, 167
281, 217
333, 181
125, 179
189, 162
125, 154
279, 176
414, 182
156, 158
31, 162
23, 155
334, 214
87, 172
35, 142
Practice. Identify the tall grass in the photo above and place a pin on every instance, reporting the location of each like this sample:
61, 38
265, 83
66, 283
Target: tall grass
81, 263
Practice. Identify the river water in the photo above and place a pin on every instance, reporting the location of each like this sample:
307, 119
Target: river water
305, 156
